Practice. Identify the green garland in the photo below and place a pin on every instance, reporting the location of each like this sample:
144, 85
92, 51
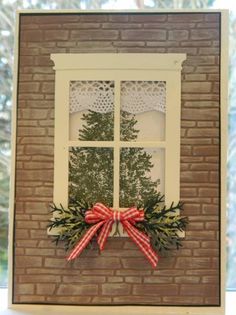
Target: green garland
163, 225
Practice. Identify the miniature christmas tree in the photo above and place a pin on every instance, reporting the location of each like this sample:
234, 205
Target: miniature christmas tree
91, 168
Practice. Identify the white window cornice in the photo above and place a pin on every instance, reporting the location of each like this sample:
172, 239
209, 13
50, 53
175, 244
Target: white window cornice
167, 62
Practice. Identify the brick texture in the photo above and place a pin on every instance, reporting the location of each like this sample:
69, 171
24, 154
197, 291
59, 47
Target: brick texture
119, 275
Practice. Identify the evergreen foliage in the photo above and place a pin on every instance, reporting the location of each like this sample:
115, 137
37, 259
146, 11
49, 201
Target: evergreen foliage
91, 169
163, 224
97, 127
70, 222
135, 183
91, 175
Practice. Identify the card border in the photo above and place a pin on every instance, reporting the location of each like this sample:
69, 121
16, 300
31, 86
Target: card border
134, 309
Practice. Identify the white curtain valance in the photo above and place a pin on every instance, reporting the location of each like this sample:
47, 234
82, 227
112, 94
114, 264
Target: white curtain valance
136, 96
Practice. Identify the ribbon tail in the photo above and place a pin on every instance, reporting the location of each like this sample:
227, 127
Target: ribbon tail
103, 235
143, 242
84, 241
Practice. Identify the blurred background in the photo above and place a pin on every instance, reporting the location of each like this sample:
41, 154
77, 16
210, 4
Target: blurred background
7, 31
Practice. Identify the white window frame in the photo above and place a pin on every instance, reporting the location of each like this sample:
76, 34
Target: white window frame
117, 68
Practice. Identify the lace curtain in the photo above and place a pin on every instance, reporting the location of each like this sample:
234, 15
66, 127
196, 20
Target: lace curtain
136, 96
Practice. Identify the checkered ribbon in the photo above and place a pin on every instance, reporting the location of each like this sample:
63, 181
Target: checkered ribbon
103, 217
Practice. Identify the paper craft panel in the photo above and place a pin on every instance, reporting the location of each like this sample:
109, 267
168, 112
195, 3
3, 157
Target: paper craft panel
120, 275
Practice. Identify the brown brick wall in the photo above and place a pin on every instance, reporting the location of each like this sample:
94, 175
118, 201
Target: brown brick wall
119, 275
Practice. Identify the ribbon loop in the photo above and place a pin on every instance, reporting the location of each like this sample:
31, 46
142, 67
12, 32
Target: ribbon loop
104, 217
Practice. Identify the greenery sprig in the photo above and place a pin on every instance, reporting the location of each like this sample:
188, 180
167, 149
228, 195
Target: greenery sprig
163, 224
70, 222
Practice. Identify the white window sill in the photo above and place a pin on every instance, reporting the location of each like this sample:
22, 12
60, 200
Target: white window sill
230, 306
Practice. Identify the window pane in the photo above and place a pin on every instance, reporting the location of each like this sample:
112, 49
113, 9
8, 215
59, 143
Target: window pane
142, 172
3, 246
91, 175
91, 110
143, 106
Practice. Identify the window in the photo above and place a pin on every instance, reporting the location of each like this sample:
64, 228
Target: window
117, 127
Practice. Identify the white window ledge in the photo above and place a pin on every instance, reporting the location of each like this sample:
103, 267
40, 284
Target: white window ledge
230, 307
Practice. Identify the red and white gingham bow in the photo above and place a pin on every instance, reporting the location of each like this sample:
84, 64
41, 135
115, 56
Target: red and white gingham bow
104, 217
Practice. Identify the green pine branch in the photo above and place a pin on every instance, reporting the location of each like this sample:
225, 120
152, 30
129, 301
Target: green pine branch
97, 127
69, 222
163, 224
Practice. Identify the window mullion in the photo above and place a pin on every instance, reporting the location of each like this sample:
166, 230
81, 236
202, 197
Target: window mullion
143, 144
116, 173
95, 144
